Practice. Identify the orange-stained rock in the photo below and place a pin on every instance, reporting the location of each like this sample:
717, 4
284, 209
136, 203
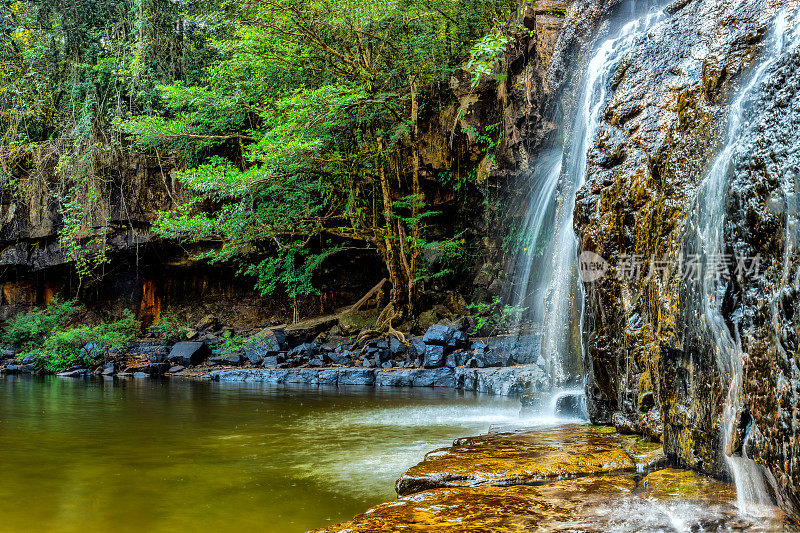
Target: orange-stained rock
673, 500
484, 509
674, 484
525, 457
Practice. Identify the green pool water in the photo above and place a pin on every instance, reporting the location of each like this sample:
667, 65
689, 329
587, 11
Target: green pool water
146, 455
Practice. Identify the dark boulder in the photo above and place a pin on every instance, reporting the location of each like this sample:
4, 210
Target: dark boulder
148, 368
340, 358
491, 357
417, 348
188, 353
307, 330
457, 358
460, 339
474, 362
228, 359
396, 347
570, 405
272, 361
159, 356
75, 373
528, 350
434, 356
438, 335
263, 344
305, 350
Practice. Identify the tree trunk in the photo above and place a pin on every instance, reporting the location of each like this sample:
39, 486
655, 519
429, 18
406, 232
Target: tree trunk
392, 244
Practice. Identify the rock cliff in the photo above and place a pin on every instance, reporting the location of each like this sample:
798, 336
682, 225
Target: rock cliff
652, 357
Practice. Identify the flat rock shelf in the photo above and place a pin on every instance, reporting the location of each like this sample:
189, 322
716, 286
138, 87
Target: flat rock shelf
568, 478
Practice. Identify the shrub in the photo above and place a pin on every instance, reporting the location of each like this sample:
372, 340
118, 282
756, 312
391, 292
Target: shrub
26, 331
54, 340
494, 318
170, 328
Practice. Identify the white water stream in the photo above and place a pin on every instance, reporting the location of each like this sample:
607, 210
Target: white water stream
548, 229
752, 492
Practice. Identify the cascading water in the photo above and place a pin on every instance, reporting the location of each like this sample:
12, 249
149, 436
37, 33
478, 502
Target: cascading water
710, 219
554, 294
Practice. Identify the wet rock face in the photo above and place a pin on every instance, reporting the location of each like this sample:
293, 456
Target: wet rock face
518, 97
136, 188
644, 334
763, 220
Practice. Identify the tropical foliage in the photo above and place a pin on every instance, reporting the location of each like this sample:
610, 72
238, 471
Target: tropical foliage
56, 339
294, 126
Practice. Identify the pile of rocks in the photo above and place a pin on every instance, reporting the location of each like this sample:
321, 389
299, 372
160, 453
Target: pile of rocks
12, 363
209, 348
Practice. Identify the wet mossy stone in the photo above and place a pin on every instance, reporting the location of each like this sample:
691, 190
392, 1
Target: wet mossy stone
354, 322
524, 457
496, 509
676, 484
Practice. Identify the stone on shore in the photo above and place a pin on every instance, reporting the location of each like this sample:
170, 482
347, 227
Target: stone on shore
188, 353
77, 373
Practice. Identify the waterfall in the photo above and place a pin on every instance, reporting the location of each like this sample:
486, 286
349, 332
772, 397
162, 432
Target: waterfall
555, 293
710, 227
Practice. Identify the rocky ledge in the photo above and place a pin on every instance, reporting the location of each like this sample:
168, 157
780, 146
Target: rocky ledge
571, 478
508, 381
305, 353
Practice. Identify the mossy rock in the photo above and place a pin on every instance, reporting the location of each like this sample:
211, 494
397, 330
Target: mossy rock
525, 457
497, 509
351, 323
675, 484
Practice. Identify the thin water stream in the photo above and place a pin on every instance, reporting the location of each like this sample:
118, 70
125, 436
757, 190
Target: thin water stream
550, 245
752, 492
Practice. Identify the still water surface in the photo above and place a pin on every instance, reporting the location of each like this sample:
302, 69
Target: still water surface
145, 455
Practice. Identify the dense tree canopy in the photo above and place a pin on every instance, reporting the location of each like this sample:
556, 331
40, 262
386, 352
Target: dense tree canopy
293, 125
